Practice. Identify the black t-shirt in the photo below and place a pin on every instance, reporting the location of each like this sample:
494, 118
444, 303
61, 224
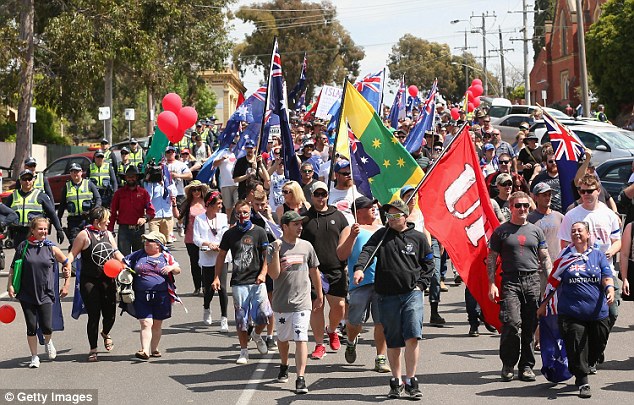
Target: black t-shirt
517, 246
240, 169
553, 182
533, 157
247, 250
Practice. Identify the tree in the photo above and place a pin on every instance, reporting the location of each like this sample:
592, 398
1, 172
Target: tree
607, 42
332, 54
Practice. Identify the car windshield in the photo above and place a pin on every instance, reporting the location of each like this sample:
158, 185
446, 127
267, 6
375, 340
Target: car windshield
619, 139
556, 113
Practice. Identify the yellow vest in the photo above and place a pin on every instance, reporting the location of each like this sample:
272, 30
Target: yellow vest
27, 207
39, 181
136, 157
78, 199
100, 175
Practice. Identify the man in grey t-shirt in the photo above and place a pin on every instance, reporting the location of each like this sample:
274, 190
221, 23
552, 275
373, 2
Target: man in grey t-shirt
293, 265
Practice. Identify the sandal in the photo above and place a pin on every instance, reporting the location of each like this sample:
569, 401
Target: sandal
92, 357
141, 355
156, 353
107, 342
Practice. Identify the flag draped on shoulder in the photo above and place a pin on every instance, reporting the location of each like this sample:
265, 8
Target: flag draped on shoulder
568, 153
455, 203
371, 88
397, 112
397, 167
425, 121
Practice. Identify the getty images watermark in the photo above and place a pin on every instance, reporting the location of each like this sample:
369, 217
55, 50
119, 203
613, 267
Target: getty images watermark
48, 396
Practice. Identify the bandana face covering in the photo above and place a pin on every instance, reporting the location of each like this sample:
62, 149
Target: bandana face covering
244, 222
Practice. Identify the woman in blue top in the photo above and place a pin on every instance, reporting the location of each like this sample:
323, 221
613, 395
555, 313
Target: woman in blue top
583, 281
153, 285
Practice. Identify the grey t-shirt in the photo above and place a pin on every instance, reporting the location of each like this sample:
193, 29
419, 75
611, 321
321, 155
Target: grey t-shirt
291, 290
517, 246
550, 225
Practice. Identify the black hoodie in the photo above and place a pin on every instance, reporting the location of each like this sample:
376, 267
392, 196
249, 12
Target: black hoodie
404, 261
322, 230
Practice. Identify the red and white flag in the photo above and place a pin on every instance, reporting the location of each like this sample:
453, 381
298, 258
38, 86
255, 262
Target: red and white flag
458, 212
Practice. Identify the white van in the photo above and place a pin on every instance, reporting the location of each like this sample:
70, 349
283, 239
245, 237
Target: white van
497, 107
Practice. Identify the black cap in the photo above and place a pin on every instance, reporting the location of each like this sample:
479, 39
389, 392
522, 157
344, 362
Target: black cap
26, 172
99, 153
75, 167
364, 202
30, 161
133, 140
104, 141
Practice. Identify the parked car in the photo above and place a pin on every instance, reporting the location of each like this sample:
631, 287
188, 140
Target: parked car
116, 148
615, 174
539, 127
509, 125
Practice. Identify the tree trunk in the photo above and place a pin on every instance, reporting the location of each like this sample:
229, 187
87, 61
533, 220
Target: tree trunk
24, 136
150, 108
108, 97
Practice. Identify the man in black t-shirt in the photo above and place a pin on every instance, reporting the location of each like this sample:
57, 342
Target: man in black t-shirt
530, 158
248, 167
550, 176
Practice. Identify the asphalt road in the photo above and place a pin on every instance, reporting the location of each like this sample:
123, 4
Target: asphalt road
198, 363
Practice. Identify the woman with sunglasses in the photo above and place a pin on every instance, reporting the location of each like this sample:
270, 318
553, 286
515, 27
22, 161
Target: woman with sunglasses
193, 206
294, 199
208, 230
276, 172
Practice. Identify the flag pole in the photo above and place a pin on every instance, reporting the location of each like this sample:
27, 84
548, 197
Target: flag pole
422, 181
334, 145
354, 197
266, 99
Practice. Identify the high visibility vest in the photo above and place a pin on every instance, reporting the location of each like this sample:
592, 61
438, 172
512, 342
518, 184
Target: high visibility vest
183, 143
27, 207
78, 199
121, 172
39, 181
136, 157
107, 155
204, 135
100, 175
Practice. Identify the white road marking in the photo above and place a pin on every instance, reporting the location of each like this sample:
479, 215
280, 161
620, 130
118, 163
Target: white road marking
256, 378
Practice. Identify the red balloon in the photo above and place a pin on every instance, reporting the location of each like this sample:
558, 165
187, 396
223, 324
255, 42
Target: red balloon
112, 268
470, 96
477, 90
168, 124
7, 314
470, 107
476, 81
476, 102
172, 102
187, 117
455, 113
412, 90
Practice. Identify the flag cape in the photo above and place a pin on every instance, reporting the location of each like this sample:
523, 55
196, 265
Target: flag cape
458, 212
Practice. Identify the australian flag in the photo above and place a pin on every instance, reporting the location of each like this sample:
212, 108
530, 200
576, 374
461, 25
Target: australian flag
250, 111
276, 103
371, 88
568, 153
398, 106
335, 113
363, 166
425, 121
294, 95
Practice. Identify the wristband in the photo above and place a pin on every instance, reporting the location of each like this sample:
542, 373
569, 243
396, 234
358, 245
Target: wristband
65, 262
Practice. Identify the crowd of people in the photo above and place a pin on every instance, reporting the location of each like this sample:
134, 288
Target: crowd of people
289, 247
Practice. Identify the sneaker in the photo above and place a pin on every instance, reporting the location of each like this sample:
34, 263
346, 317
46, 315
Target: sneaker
300, 386
412, 388
457, 280
271, 344
380, 364
224, 325
318, 353
35, 362
436, 320
395, 388
351, 351
259, 343
335, 344
171, 238
443, 287
527, 374
181, 232
207, 316
196, 292
473, 331
507, 373
244, 357
50, 350
283, 375
584, 391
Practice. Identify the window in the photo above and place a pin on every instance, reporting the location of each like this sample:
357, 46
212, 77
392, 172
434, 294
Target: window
619, 173
564, 80
56, 168
563, 30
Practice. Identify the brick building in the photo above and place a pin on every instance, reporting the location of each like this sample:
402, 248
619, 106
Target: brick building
556, 69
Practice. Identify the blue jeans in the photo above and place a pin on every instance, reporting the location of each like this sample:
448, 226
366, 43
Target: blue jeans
434, 285
473, 309
402, 317
129, 239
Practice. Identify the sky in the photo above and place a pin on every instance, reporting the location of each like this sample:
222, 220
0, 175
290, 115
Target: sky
377, 25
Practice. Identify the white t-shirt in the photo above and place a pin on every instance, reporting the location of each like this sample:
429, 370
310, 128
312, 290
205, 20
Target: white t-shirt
276, 197
225, 175
343, 199
179, 167
204, 232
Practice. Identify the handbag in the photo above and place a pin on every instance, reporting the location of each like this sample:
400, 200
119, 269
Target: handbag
17, 270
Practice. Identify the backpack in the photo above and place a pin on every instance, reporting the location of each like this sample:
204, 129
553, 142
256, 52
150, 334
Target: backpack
125, 292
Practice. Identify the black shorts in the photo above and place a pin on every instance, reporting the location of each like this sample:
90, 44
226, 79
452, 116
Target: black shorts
338, 280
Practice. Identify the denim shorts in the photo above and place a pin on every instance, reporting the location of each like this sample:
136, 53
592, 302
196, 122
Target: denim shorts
401, 317
363, 301
152, 305
250, 302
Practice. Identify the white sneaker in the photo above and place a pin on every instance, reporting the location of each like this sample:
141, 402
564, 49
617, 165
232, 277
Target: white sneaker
181, 232
50, 350
171, 238
224, 325
259, 342
207, 317
244, 357
35, 362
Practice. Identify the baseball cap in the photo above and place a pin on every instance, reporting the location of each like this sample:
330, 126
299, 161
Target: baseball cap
290, 216
26, 172
125, 150
30, 161
155, 237
104, 141
170, 147
405, 190
503, 178
524, 125
99, 153
75, 167
399, 205
364, 202
318, 185
133, 141
249, 144
185, 151
308, 143
541, 188
488, 146
342, 164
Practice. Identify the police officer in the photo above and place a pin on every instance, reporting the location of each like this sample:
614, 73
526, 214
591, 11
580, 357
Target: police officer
136, 153
123, 165
29, 202
108, 156
101, 173
78, 197
41, 182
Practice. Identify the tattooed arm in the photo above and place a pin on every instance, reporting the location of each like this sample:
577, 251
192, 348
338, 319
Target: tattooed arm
494, 294
544, 261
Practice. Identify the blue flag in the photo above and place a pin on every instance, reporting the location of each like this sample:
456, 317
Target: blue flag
568, 153
294, 96
424, 123
371, 88
335, 113
398, 106
363, 166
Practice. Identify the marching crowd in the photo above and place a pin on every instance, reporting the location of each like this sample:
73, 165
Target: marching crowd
286, 248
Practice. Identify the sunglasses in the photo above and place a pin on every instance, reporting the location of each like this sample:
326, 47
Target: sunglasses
505, 162
522, 205
550, 162
307, 171
587, 190
395, 215
344, 173
402, 136
507, 184
320, 194
169, 151
196, 190
286, 191
185, 154
27, 179
487, 120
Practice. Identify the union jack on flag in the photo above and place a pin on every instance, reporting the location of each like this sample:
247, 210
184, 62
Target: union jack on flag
398, 106
371, 88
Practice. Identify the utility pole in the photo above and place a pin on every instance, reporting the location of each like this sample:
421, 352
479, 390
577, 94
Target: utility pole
583, 69
464, 50
502, 64
527, 83
483, 30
